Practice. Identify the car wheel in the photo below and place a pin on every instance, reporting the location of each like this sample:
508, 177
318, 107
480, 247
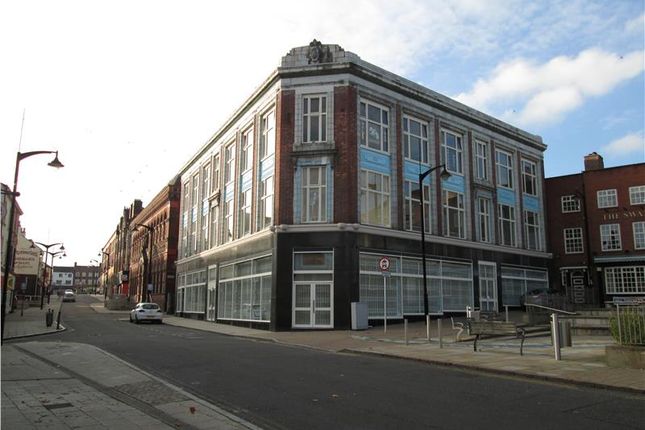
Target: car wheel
136, 320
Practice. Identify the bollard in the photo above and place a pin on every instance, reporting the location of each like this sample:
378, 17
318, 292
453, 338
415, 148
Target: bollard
506, 312
49, 317
439, 332
555, 335
58, 320
405, 330
428, 327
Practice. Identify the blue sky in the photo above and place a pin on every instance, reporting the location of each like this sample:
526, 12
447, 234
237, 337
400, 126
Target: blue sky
127, 91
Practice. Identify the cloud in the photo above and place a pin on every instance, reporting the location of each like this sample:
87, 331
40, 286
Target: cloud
546, 92
636, 24
626, 145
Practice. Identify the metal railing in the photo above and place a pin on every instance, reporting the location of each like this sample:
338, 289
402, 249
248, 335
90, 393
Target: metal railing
627, 324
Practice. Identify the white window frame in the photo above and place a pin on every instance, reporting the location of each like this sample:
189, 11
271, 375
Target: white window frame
306, 190
244, 216
529, 177
536, 226
607, 198
484, 219
228, 232
382, 125
506, 168
481, 160
638, 229
457, 150
229, 163
319, 118
512, 222
267, 135
625, 280
266, 188
460, 212
637, 195
194, 218
570, 204
382, 195
419, 141
573, 240
413, 205
246, 150
608, 235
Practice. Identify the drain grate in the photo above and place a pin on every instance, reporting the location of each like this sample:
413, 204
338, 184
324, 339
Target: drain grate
58, 406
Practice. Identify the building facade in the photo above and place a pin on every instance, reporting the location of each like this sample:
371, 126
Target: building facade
154, 248
86, 278
597, 232
289, 209
63, 278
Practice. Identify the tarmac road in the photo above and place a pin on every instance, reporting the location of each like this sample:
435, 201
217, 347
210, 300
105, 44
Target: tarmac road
287, 387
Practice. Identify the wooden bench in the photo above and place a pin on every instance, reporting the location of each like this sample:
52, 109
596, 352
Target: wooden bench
495, 328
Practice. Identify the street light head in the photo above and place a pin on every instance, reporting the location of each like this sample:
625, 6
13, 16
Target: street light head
445, 174
56, 162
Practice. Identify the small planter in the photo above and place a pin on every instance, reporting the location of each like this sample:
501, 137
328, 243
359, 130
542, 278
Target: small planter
625, 356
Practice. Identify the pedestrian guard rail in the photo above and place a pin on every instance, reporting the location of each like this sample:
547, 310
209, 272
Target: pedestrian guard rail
627, 324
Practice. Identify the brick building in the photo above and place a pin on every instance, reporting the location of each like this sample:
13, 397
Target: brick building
597, 231
159, 220
86, 278
290, 205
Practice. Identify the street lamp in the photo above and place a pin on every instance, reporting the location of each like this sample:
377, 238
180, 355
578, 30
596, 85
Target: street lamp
62, 248
10, 249
444, 175
148, 261
105, 269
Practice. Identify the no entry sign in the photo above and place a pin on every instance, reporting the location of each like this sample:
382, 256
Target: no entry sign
384, 264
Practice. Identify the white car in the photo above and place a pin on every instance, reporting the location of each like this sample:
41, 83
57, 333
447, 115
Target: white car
69, 296
146, 312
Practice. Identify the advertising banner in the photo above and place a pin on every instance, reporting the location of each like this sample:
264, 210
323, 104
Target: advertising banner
27, 257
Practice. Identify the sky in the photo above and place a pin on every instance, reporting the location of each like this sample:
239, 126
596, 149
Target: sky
127, 91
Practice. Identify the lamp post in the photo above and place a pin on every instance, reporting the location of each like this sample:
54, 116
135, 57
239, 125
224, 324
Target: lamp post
10, 249
105, 268
62, 248
444, 175
54, 254
148, 263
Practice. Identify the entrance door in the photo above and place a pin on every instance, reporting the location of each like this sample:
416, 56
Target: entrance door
487, 286
312, 305
578, 284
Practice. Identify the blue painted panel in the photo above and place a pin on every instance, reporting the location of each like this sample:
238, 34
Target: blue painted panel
247, 180
411, 171
375, 161
454, 183
506, 197
267, 168
531, 203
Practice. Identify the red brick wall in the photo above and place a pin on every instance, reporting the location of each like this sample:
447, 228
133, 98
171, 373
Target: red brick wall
285, 116
555, 188
345, 168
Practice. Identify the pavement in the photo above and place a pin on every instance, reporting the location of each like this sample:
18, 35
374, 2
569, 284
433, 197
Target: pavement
71, 385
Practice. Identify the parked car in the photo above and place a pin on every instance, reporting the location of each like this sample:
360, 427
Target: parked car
146, 312
69, 296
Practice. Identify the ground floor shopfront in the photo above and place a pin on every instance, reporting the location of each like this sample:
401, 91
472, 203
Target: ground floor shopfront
308, 280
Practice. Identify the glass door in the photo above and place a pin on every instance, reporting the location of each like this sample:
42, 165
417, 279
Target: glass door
487, 286
312, 305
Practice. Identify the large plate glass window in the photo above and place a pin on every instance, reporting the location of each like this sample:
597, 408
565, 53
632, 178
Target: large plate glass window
516, 282
625, 280
415, 140
374, 126
244, 292
451, 146
375, 198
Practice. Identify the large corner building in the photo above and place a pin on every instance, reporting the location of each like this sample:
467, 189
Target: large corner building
287, 210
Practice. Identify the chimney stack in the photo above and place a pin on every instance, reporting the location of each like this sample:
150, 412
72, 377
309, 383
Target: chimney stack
594, 161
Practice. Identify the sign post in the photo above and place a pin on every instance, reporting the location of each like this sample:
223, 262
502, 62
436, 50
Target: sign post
384, 267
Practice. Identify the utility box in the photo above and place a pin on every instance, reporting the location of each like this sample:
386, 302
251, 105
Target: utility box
359, 316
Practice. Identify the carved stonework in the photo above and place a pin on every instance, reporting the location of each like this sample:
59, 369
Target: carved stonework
318, 53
